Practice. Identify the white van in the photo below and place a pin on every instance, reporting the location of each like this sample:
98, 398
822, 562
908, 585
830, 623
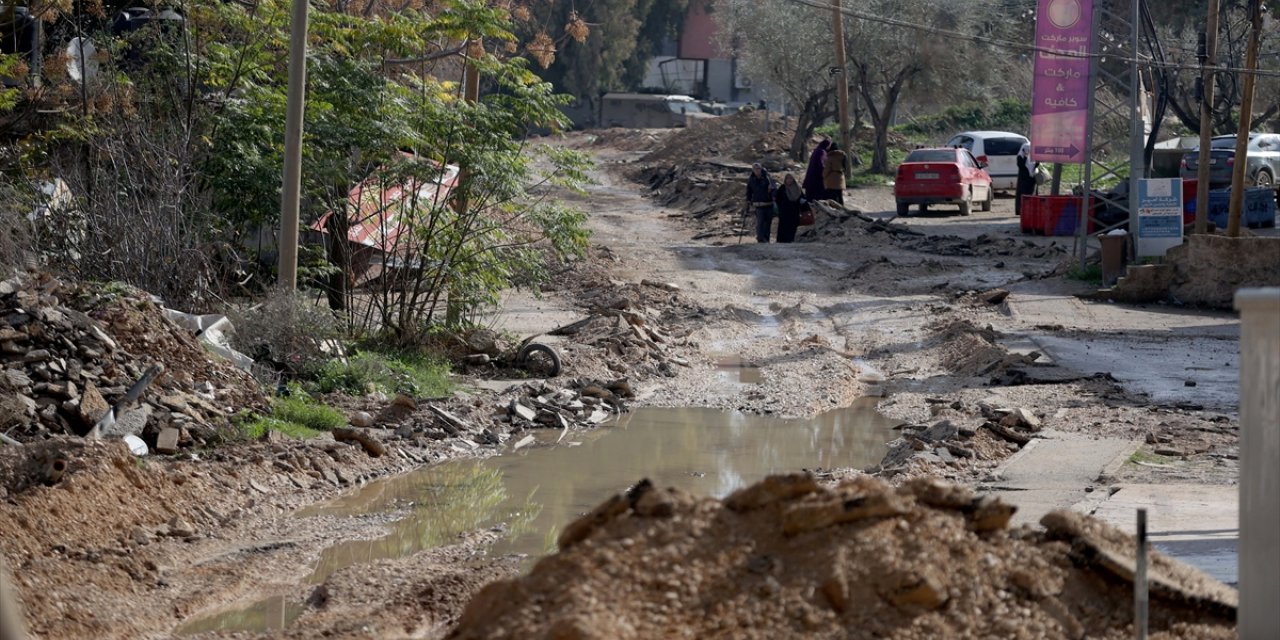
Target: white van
999, 149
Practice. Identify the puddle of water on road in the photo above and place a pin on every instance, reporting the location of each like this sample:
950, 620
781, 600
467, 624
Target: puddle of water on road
530, 494
733, 369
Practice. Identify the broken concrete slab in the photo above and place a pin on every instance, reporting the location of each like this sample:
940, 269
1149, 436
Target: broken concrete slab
167, 441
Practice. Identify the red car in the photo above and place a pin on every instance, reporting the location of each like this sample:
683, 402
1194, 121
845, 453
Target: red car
942, 176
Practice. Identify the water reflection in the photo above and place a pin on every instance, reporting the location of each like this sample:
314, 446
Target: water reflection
533, 492
272, 614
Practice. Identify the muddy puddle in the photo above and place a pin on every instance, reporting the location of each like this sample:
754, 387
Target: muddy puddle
732, 369
529, 494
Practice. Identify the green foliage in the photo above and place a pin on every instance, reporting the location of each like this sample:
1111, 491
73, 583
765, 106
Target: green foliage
256, 427
1091, 274
299, 408
409, 373
1005, 115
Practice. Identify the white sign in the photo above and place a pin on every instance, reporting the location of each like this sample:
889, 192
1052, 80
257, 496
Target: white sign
1159, 216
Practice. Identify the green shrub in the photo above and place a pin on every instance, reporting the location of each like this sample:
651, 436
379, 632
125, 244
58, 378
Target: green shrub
408, 373
1005, 115
300, 409
258, 427
1091, 273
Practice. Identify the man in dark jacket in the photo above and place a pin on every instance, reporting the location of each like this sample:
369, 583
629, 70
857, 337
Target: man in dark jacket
760, 197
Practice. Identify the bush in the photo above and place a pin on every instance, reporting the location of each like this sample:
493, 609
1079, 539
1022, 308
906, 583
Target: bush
1006, 115
287, 330
299, 408
408, 373
257, 427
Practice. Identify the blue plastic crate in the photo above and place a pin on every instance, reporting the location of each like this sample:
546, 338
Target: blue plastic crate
1259, 207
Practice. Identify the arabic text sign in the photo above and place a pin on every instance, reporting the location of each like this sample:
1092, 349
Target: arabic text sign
1159, 216
1059, 107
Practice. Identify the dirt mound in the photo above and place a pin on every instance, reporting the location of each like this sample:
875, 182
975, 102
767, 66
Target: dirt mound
72, 350
628, 139
789, 559
740, 136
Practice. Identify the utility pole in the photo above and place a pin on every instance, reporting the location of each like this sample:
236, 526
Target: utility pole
291, 188
470, 94
1208, 56
1246, 120
842, 77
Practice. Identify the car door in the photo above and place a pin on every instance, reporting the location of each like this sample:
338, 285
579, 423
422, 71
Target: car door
974, 176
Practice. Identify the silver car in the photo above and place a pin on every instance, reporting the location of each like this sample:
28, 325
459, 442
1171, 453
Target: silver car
1263, 157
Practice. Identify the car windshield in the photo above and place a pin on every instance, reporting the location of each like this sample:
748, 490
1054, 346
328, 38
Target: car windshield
1003, 146
1223, 143
684, 107
932, 155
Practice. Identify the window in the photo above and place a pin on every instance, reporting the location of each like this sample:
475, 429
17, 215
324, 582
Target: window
932, 155
1004, 146
1223, 143
961, 141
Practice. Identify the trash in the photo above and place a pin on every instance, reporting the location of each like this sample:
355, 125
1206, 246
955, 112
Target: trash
136, 446
212, 330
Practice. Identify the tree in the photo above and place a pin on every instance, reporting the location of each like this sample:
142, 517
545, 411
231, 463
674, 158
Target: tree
886, 61
787, 48
175, 158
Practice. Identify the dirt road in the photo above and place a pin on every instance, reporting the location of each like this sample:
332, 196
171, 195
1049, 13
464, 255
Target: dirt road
910, 310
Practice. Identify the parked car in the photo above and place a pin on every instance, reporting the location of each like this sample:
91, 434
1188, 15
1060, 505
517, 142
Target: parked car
942, 176
1262, 154
999, 149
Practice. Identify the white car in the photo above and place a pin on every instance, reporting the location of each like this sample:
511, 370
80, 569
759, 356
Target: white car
998, 149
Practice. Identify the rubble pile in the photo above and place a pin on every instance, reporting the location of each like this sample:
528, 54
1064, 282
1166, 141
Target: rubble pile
789, 558
582, 404
970, 351
947, 449
70, 355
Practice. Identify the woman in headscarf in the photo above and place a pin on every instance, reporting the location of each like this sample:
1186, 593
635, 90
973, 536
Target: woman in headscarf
790, 201
1026, 177
833, 174
813, 185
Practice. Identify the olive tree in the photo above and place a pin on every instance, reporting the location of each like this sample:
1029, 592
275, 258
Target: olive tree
785, 47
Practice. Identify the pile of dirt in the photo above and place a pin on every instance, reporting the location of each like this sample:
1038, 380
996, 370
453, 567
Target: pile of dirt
628, 139
71, 351
740, 136
787, 558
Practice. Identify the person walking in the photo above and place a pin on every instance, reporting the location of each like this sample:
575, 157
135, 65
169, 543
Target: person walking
813, 185
760, 196
833, 174
790, 201
1026, 177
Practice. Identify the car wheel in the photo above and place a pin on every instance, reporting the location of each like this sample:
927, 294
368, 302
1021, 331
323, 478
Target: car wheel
967, 206
1264, 179
924, 208
991, 196
903, 209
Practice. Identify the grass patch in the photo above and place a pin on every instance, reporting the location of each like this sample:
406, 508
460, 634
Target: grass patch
1148, 457
364, 371
1091, 273
257, 427
300, 409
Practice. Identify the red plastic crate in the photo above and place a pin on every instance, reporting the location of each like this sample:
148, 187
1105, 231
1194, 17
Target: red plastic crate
1060, 215
1030, 220
1189, 193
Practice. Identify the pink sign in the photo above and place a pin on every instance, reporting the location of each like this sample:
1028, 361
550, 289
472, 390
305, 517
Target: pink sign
1060, 101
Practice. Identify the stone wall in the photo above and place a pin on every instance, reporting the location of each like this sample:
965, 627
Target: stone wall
1209, 268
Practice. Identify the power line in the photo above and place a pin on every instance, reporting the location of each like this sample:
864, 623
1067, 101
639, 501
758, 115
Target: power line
1008, 44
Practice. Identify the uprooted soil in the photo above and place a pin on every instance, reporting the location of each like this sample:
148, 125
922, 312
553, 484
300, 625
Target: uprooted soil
787, 558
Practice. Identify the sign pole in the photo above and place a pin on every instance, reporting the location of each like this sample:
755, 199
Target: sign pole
1137, 133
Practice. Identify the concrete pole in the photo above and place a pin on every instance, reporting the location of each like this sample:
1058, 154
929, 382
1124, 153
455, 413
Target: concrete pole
842, 78
291, 188
1207, 78
1246, 122
1259, 617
